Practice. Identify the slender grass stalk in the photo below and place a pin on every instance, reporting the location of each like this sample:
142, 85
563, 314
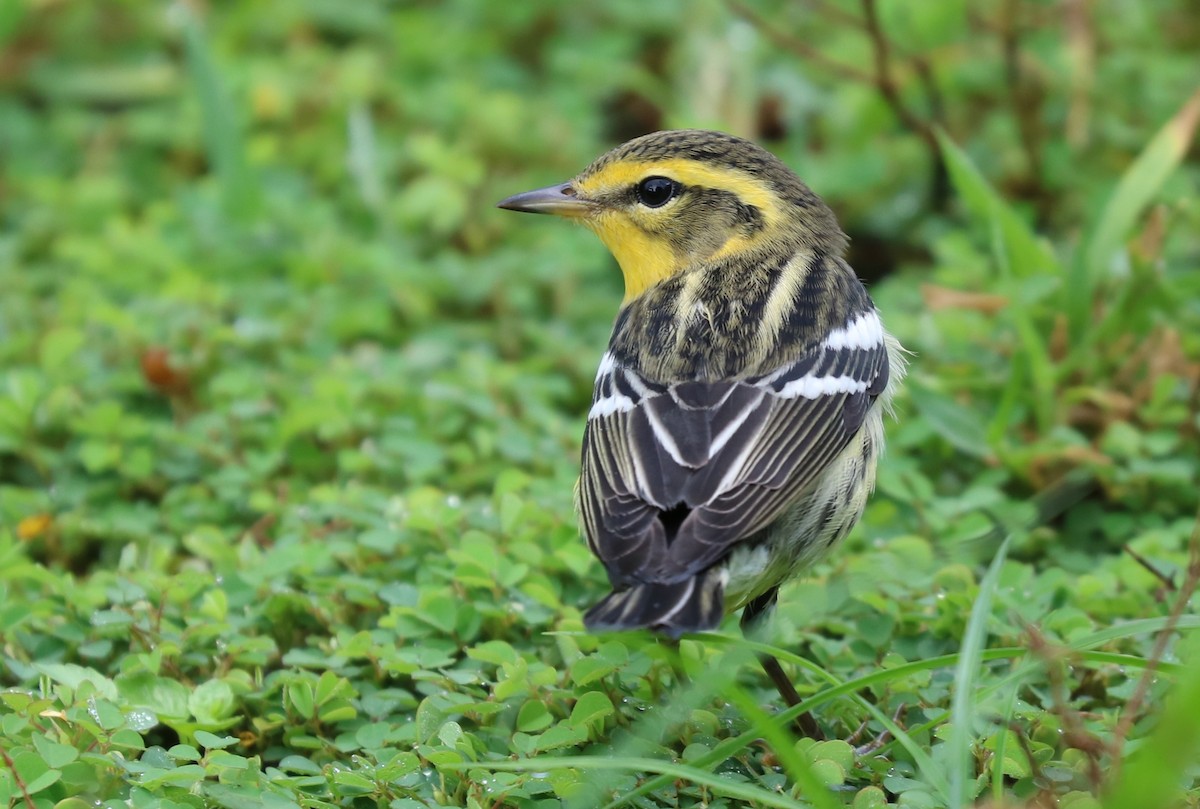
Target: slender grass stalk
222, 132
794, 764
692, 774
970, 660
1019, 254
1002, 750
1133, 193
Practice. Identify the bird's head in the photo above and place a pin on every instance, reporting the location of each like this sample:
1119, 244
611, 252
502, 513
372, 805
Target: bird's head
670, 200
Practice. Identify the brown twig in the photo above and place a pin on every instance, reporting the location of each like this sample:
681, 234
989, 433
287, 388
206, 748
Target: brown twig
8, 762
884, 78
1186, 590
889, 88
939, 186
1074, 733
1167, 581
834, 13
880, 740
797, 45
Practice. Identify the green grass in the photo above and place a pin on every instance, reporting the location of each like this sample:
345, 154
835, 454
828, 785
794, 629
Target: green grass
290, 414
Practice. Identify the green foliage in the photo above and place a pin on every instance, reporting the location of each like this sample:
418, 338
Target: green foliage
289, 415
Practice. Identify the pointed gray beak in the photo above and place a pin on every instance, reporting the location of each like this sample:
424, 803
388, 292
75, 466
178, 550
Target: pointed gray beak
556, 199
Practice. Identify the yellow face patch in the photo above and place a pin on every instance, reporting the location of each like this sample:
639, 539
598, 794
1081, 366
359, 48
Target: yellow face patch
646, 258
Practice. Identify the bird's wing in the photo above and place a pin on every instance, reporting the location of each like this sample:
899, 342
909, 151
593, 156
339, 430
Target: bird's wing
675, 474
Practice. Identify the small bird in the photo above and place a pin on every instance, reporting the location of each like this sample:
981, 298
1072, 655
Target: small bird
738, 411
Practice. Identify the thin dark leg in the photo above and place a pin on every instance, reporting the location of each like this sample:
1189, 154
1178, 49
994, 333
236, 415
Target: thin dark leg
753, 616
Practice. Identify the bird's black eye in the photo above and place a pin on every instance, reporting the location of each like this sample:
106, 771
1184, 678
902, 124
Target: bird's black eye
655, 192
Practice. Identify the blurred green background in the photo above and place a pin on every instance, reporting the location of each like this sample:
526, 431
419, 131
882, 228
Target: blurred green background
290, 414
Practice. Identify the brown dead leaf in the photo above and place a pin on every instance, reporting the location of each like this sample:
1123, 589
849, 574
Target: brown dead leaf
939, 298
1060, 338
161, 375
1048, 467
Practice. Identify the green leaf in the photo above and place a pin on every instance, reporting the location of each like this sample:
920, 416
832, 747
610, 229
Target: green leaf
833, 750
184, 752
496, 652
211, 702
870, 798
74, 803
587, 670
34, 772
352, 782
74, 676
591, 708
300, 695
107, 714
450, 733
54, 754
809, 781
166, 697
327, 685
60, 346
211, 741
564, 734
337, 710
960, 425
128, 739
533, 717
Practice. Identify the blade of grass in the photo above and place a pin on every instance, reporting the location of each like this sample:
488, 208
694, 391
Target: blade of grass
1000, 424
1019, 253
1021, 671
1136, 189
794, 764
223, 139
1028, 254
698, 689
1001, 750
970, 661
1130, 628
1033, 347
961, 427
731, 746
362, 161
695, 775
933, 773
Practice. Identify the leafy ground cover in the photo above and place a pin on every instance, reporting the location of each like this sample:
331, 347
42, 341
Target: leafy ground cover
289, 415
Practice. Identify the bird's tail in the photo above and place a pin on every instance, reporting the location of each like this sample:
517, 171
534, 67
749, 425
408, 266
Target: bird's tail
692, 605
